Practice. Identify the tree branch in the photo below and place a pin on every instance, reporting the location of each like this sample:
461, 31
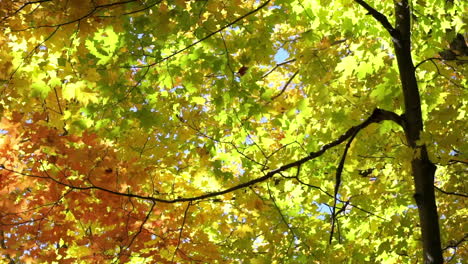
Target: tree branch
276, 66
377, 116
451, 193
381, 18
455, 244
339, 171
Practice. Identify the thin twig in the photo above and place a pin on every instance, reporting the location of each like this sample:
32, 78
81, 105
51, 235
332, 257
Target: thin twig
22, 7
181, 230
94, 10
206, 37
283, 218
30, 53
276, 66
285, 86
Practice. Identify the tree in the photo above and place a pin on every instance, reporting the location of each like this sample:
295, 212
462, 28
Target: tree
276, 131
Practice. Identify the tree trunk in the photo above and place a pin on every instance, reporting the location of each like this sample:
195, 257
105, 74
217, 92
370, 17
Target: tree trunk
422, 168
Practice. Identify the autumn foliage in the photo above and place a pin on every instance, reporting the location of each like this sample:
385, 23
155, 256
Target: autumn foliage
276, 131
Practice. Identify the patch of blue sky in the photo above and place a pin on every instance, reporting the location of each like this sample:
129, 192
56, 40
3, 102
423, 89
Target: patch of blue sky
323, 208
281, 55
248, 140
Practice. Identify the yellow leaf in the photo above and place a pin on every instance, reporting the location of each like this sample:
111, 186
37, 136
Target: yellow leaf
243, 230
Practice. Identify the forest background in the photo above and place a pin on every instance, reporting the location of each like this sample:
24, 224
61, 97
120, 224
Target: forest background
275, 131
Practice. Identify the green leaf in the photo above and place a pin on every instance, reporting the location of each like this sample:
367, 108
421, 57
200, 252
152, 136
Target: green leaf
40, 89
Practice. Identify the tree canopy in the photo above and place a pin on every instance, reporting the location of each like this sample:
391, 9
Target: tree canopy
203, 131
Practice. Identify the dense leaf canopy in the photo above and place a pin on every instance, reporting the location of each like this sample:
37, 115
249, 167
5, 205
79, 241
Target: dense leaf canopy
203, 131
